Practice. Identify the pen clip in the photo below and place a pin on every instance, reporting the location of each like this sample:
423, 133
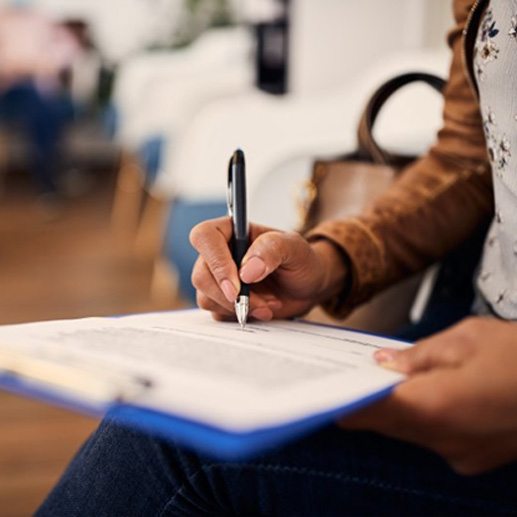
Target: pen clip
229, 191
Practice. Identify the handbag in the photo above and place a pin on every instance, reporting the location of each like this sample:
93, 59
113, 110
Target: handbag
343, 187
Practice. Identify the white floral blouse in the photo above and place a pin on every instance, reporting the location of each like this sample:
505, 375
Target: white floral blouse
495, 65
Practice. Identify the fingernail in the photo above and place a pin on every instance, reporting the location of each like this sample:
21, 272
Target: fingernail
262, 313
386, 357
253, 270
229, 290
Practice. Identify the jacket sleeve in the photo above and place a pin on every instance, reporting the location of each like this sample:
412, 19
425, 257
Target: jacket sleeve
435, 204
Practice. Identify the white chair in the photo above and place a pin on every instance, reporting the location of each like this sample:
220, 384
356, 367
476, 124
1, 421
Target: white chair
275, 130
157, 94
157, 90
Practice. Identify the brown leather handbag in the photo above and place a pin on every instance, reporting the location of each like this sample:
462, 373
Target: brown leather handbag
344, 187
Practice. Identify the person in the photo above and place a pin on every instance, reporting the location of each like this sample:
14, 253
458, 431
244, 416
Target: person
445, 441
34, 52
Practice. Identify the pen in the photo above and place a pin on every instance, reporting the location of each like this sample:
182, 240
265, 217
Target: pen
240, 239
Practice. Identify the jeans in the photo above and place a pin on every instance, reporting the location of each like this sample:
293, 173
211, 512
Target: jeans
121, 472
42, 118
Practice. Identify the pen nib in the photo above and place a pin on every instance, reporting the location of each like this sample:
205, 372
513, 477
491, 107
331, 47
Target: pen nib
242, 307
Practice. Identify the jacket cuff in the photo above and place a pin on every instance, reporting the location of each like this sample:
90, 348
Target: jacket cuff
364, 253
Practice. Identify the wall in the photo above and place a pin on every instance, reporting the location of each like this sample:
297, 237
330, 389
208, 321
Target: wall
333, 40
120, 27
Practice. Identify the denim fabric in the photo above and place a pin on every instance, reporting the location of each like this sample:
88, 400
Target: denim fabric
150, 154
42, 118
333, 472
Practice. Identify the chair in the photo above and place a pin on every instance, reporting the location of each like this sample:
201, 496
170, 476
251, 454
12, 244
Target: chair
155, 97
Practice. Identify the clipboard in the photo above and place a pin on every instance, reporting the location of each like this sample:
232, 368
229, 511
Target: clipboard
195, 434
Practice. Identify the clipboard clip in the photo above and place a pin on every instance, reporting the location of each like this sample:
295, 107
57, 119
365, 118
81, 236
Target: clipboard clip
99, 385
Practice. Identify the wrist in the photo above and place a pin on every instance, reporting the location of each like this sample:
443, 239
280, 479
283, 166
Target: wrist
334, 269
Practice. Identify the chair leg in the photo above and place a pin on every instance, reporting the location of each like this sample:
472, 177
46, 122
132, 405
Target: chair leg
150, 232
164, 289
127, 200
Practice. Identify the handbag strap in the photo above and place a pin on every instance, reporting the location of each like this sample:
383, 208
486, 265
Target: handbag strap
368, 147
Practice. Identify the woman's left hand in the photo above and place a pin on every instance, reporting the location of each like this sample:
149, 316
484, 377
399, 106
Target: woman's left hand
460, 399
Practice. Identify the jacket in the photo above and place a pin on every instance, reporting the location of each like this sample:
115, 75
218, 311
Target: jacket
436, 203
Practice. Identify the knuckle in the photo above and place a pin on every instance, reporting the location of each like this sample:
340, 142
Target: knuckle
199, 277
198, 233
220, 269
195, 234
276, 239
274, 242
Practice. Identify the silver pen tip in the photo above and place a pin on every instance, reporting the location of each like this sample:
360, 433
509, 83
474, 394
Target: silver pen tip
242, 307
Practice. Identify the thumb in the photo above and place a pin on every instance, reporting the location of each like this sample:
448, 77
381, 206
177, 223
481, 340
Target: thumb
271, 250
438, 351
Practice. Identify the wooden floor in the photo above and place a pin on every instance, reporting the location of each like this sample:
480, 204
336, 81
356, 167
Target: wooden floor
62, 268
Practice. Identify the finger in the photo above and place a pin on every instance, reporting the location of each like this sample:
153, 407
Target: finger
205, 283
447, 349
427, 423
372, 418
208, 304
210, 297
394, 415
418, 410
263, 306
269, 251
210, 239
221, 317
262, 312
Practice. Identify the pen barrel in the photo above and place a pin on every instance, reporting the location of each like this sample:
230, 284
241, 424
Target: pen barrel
239, 249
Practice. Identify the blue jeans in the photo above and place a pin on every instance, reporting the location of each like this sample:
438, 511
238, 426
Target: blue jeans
121, 472
42, 118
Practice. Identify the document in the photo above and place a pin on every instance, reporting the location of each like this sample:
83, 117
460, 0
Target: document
185, 364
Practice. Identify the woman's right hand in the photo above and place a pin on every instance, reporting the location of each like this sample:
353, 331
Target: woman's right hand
288, 275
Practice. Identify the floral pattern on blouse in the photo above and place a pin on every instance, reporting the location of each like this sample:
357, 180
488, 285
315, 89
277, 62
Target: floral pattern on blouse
498, 146
513, 29
495, 66
486, 49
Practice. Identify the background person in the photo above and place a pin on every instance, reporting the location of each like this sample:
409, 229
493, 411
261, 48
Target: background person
34, 54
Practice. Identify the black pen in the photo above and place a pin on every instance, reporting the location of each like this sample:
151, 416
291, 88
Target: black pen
240, 239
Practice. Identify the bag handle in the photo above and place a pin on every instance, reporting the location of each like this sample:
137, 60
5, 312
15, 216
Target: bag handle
368, 147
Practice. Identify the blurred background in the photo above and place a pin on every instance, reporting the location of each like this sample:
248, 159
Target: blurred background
117, 120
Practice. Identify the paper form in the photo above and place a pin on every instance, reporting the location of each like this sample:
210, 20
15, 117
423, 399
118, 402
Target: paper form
188, 365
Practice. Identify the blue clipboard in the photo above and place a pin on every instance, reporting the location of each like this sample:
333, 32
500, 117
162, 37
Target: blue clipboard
215, 442
209, 440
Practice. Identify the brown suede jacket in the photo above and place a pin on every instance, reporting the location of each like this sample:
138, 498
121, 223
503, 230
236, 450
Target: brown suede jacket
437, 202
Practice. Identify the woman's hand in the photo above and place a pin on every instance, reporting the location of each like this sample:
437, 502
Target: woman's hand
460, 399
288, 275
